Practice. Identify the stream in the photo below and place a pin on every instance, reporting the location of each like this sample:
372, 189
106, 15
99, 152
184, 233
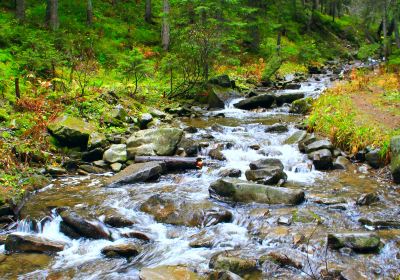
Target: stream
254, 230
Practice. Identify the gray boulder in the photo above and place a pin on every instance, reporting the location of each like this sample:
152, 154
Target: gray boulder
236, 190
277, 128
263, 101
116, 153
322, 159
266, 171
137, 172
26, 243
218, 96
341, 163
144, 120
318, 145
151, 142
296, 137
288, 98
374, 159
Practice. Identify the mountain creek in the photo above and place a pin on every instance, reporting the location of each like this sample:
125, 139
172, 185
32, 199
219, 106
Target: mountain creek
257, 209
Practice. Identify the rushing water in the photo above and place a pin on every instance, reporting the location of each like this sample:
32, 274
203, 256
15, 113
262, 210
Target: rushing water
253, 234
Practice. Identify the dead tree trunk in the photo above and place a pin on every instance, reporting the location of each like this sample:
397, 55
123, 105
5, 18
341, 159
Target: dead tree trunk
148, 16
20, 10
165, 38
89, 12
17, 90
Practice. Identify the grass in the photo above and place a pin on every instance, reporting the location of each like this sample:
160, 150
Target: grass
361, 112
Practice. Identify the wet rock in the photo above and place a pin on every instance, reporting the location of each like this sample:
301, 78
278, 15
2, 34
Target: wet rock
374, 159
151, 142
218, 96
255, 147
121, 250
381, 222
277, 128
285, 221
269, 152
310, 138
266, 176
306, 216
234, 262
259, 212
137, 172
116, 167
367, 199
201, 240
100, 163
288, 98
71, 131
319, 145
55, 170
170, 211
216, 154
92, 169
341, 163
118, 221
144, 120
263, 101
236, 190
230, 172
296, 137
168, 273
266, 163
353, 273
17, 243
137, 235
189, 146
301, 106
322, 159
223, 275
395, 161
116, 153
191, 129
286, 258
93, 155
85, 228
358, 242
329, 201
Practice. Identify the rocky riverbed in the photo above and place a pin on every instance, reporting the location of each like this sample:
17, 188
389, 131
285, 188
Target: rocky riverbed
270, 202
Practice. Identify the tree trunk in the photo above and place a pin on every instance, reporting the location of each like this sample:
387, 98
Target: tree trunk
89, 12
52, 14
396, 33
20, 10
148, 17
165, 38
384, 27
17, 90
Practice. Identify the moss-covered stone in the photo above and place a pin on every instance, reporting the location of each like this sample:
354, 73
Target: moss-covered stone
359, 242
301, 106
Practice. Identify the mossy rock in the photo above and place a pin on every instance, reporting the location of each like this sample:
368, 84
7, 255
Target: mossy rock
306, 216
301, 106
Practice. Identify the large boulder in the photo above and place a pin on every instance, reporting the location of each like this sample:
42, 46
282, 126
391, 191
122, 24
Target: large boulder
137, 172
237, 190
222, 81
116, 153
288, 98
169, 210
71, 131
359, 242
263, 101
218, 96
374, 159
76, 226
168, 273
267, 171
395, 162
322, 159
318, 145
234, 262
151, 142
301, 106
18, 243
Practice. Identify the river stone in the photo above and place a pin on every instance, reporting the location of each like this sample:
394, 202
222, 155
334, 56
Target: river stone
395, 162
151, 142
367, 198
263, 101
92, 169
135, 173
16, 242
197, 214
137, 235
55, 170
341, 163
306, 216
296, 137
201, 240
322, 159
93, 155
118, 221
381, 222
286, 257
359, 242
116, 166
266, 163
168, 273
116, 153
266, 176
230, 172
374, 159
121, 250
234, 262
218, 96
301, 106
288, 98
318, 145
189, 146
71, 131
216, 154
310, 138
97, 140
277, 128
236, 190
85, 228
223, 275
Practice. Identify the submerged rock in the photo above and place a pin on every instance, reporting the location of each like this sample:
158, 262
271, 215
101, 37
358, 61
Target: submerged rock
277, 128
137, 235
168, 273
236, 190
151, 142
118, 221
234, 262
367, 199
134, 173
19, 243
359, 242
121, 250
263, 101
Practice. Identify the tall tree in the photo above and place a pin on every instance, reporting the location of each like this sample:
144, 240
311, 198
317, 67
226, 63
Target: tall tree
165, 29
20, 10
52, 14
148, 16
89, 12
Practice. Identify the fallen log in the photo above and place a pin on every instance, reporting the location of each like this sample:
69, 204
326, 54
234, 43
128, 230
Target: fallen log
173, 163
